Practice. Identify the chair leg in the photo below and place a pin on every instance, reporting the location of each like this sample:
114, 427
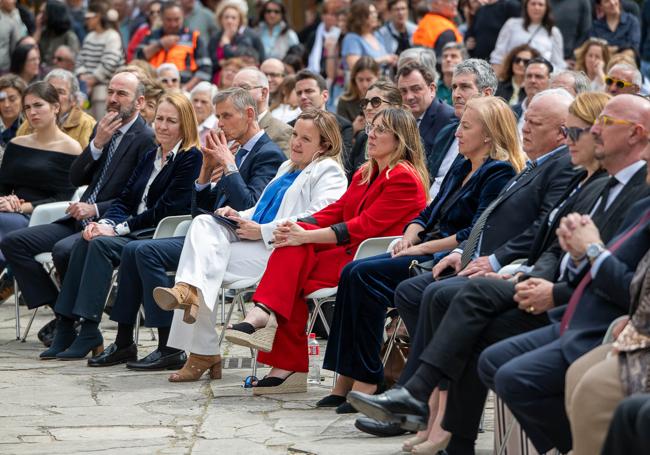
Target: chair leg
391, 341
29, 325
16, 293
136, 335
226, 322
314, 315
223, 306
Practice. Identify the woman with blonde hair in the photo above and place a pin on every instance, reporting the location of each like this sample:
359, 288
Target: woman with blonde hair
592, 58
311, 179
388, 191
160, 186
490, 155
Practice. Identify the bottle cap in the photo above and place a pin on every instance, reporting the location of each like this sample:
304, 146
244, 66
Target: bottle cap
312, 335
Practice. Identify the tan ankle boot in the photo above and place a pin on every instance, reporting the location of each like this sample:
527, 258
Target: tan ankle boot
181, 296
195, 366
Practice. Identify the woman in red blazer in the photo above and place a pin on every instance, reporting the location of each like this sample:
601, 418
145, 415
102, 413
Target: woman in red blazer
386, 193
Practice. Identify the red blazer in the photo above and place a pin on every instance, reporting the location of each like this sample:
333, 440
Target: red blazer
379, 209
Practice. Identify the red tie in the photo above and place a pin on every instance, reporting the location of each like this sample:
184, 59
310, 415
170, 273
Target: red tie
577, 294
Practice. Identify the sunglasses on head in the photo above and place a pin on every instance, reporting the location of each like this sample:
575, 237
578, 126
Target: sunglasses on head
573, 132
518, 60
375, 102
619, 83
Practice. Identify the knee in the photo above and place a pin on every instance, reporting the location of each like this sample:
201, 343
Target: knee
487, 367
507, 383
10, 243
404, 300
61, 252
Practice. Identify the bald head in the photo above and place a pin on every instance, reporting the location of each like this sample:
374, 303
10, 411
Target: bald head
543, 121
274, 71
621, 134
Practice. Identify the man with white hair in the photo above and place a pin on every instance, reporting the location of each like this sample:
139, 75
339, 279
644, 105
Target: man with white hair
202, 97
256, 83
574, 82
623, 78
169, 77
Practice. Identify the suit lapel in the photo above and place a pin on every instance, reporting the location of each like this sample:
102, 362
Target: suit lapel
121, 149
245, 166
614, 214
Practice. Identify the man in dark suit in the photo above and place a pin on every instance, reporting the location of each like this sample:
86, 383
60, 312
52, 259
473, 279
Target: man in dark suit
471, 78
417, 84
311, 89
225, 179
105, 174
453, 329
498, 237
537, 77
528, 371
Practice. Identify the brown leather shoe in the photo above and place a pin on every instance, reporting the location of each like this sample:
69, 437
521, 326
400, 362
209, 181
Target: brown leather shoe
181, 296
195, 366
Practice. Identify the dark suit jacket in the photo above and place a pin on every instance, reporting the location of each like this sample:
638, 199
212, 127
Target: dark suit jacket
346, 132
518, 109
240, 190
169, 193
608, 296
441, 145
437, 116
511, 227
135, 144
456, 208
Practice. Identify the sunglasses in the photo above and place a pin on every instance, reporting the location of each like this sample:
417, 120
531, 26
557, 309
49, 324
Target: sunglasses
520, 60
573, 132
379, 129
272, 11
375, 102
619, 83
607, 120
169, 81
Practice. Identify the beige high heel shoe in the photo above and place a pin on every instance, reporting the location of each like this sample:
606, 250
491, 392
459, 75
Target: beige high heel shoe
244, 334
430, 448
181, 296
294, 383
195, 366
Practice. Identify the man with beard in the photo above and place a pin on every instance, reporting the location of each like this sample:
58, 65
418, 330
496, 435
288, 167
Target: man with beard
119, 141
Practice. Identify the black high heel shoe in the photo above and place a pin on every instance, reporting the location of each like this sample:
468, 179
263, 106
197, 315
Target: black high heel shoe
64, 336
89, 339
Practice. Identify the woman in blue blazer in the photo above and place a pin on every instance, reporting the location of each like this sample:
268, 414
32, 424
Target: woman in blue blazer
160, 186
489, 142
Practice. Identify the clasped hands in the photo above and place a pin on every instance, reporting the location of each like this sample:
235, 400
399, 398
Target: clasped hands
289, 233
575, 233
216, 156
93, 230
11, 203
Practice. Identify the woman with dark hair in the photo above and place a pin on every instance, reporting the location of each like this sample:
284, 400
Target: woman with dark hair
54, 29
274, 31
620, 29
12, 88
535, 28
26, 62
35, 168
286, 107
361, 39
364, 73
101, 54
511, 77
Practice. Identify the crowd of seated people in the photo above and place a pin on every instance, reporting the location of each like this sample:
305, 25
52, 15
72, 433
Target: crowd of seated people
504, 142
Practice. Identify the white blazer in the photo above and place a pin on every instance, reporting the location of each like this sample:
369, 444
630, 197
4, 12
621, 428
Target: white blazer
316, 187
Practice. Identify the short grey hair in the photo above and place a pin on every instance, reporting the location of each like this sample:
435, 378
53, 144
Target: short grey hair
581, 82
260, 76
482, 71
205, 87
67, 76
637, 79
168, 67
422, 55
563, 97
458, 47
239, 97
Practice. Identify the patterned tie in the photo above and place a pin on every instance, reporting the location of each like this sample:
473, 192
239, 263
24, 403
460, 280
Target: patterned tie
475, 234
586, 280
112, 146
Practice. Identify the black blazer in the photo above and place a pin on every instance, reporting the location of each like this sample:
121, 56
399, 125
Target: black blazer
608, 296
169, 193
441, 145
455, 209
135, 144
240, 190
345, 126
510, 236
437, 116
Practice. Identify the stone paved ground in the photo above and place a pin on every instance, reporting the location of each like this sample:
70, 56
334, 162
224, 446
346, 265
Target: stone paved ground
59, 407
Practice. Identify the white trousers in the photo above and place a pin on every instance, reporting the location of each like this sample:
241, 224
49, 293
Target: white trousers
210, 257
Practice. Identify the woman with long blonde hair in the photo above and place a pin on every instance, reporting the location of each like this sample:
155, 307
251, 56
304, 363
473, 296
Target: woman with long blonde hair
386, 193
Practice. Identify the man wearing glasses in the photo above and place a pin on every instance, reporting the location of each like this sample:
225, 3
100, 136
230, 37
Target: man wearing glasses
64, 58
273, 69
623, 78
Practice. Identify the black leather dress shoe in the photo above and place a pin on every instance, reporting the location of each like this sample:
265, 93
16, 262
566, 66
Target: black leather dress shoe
393, 406
159, 361
113, 355
377, 428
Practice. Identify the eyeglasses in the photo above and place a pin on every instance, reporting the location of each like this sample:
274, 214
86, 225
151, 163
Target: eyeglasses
169, 81
375, 102
274, 75
379, 129
248, 88
619, 83
58, 58
520, 60
272, 11
573, 132
607, 120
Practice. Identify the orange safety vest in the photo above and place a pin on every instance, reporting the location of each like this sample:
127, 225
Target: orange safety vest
181, 55
431, 27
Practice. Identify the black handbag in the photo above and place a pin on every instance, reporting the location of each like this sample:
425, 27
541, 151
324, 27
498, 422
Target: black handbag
416, 269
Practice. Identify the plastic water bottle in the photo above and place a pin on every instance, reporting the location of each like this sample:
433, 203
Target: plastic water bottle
313, 348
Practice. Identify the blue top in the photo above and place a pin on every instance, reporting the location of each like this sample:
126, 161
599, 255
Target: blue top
645, 36
354, 44
626, 35
269, 204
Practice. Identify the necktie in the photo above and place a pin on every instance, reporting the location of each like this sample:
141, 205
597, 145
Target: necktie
586, 280
112, 146
604, 196
240, 155
477, 229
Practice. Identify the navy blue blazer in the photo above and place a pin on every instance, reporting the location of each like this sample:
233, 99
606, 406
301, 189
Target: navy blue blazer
466, 205
441, 145
169, 193
436, 117
608, 296
241, 190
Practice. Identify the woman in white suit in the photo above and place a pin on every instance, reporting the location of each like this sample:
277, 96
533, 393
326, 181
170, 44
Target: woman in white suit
213, 252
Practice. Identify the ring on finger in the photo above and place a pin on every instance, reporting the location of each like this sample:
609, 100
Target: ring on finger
531, 309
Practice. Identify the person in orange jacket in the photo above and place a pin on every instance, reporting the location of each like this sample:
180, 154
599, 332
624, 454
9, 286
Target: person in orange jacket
437, 27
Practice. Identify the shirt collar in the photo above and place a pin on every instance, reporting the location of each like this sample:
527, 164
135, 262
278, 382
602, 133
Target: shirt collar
124, 128
173, 151
248, 146
548, 155
209, 123
624, 175
261, 115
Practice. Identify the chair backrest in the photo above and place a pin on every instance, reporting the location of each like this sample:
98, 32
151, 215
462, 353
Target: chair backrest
46, 213
77, 194
167, 226
374, 246
609, 335
182, 228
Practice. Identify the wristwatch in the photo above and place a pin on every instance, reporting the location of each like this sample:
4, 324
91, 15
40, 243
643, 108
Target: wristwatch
230, 168
594, 250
